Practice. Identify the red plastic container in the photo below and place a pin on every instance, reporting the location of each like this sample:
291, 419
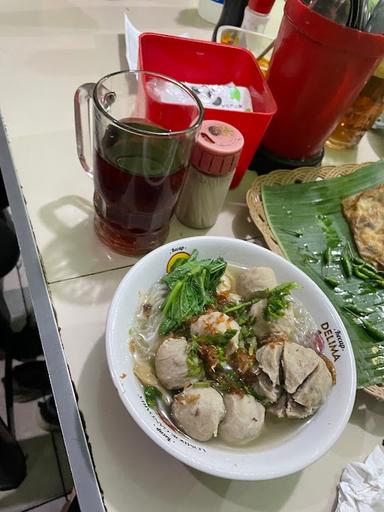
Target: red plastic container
317, 70
203, 62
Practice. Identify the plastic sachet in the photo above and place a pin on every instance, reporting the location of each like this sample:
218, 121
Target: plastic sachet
225, 97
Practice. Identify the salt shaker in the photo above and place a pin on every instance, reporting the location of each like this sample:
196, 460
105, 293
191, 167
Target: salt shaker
256, 15
213, 163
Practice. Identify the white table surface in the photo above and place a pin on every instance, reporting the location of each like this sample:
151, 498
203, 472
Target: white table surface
135, 474
47, 49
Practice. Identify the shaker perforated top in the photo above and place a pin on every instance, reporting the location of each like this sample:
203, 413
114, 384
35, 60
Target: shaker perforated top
218, 148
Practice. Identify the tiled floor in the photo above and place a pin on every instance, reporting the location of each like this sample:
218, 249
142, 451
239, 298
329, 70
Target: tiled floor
48, 478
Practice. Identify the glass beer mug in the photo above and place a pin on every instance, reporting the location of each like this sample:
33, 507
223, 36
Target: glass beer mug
135, 131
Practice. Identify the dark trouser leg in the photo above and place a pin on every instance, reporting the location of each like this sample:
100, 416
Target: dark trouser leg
9, 255
3, 194
12, 460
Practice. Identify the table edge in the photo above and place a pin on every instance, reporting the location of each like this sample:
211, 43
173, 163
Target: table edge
84, 476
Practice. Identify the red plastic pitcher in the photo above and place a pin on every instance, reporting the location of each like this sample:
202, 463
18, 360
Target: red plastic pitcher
317, 70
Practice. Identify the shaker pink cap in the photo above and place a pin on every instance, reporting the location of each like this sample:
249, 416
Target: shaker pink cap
218, 147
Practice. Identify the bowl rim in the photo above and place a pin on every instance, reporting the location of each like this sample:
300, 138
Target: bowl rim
185, 457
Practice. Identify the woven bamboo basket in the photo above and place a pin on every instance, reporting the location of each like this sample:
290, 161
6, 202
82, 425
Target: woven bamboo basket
301, 175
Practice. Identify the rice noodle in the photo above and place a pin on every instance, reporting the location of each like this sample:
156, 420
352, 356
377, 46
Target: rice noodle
144, 332
305, 327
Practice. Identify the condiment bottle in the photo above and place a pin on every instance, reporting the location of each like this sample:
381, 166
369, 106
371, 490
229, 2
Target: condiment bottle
256, 15
362, 114
232, 14
214, 158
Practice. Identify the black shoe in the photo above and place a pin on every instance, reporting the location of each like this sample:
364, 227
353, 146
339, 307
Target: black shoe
47, 418
10, 252
30, 381
13, 469
26, 344
23, 345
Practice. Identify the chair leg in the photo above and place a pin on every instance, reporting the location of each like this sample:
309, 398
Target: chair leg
8, 387
6, 336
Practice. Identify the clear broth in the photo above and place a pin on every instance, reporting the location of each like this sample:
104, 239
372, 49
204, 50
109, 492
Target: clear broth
276, 431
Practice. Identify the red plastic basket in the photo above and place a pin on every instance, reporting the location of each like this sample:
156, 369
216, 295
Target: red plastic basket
203, 62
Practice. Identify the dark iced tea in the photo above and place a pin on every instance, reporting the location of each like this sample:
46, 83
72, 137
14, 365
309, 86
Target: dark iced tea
137, 183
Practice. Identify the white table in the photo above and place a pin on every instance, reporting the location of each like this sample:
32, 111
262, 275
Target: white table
48, 48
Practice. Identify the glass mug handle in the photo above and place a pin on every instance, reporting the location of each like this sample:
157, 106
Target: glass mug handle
83, 118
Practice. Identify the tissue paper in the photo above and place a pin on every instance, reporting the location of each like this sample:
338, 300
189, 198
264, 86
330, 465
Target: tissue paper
131, 43
361, 487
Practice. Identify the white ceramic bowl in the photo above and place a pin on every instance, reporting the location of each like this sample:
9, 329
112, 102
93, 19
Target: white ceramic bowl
265, 459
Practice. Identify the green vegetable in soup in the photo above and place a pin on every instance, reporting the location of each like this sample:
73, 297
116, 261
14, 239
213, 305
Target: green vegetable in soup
192, 284
194, 364
230, 382
152, 395
241, 305
219, 341
278, 300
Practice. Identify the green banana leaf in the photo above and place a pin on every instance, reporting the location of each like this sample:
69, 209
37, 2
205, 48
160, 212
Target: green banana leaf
309, 225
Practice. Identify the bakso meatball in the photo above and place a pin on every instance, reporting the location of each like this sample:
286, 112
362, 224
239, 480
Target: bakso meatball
225, 284
217, 323
171, 363
316, 388
264, 328
255, 279
198, 412
295, 379
225, 287
243, 420
298, 363
268, 381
